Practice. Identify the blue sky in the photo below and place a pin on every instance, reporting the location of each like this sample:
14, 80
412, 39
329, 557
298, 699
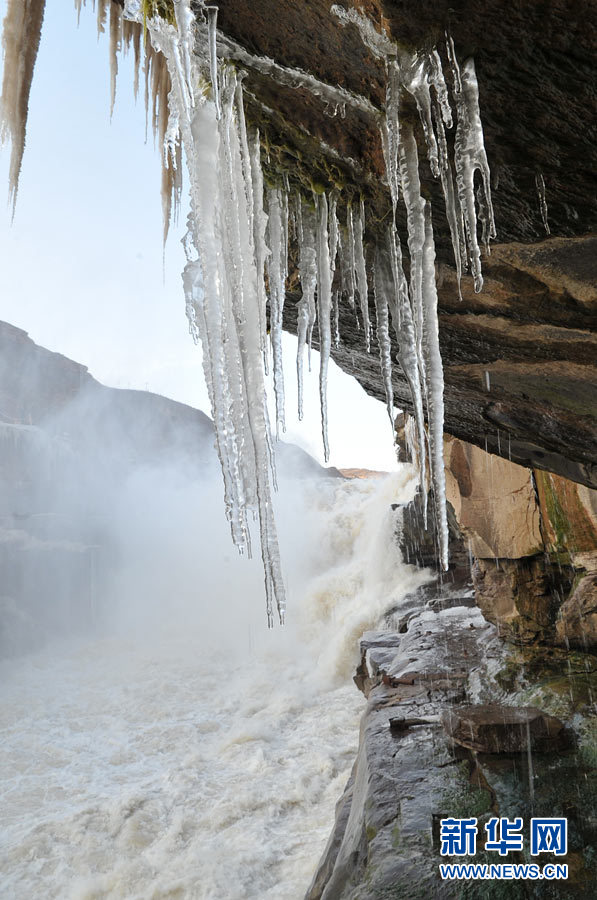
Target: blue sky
81, 267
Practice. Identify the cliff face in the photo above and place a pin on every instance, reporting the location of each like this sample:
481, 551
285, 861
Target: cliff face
479, 690
520, 356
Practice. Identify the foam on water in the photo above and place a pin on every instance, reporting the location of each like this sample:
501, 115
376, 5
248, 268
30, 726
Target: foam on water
198, 758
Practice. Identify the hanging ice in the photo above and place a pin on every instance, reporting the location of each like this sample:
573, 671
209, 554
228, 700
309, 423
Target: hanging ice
212, 19
361, 272
470, 157
277, 267
435, 388
415, 221
306, 228
317, 233
197, 103
261, 249
540, 184
408, 356
222, 289
324, 304
349, 263
20, 43
380, 294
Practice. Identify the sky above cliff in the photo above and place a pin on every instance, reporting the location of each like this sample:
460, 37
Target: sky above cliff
81, 267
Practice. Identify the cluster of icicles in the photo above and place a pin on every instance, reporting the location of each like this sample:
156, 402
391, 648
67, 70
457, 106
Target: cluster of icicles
20, 40
239, 233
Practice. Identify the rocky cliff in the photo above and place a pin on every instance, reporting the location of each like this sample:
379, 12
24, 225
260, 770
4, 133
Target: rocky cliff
519, 357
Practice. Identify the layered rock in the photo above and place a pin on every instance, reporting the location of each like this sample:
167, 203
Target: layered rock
519, 357
529, 538
459, 725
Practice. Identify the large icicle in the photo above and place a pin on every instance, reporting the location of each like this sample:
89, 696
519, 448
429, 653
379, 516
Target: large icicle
259, 230
380, 295
324, 303
115, 48
540, 185
307, 310
424, 299
435, 388
390, 130
20, 42
404, 327
415, 220
469, 157
349, 261
222, 290
453, 211
361, 272
277, 263
212, 20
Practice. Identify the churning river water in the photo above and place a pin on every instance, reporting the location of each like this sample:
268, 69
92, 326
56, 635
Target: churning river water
185, 751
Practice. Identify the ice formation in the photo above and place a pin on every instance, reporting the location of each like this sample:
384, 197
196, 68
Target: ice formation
414, 308
237, 244
307, 224
277, 267
20, 43
540, 184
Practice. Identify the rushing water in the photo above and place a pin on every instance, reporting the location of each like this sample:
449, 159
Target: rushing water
185, 753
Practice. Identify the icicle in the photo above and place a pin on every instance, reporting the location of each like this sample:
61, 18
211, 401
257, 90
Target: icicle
324, 303
361, 272
183, 49
261, 250
212, 19
102, 14
408, 354
307, 226
137, 59
438, 81
171, 174
20, 42
222, 295
419, 86
470, 156
380, 295
391, 130
349, 263
115, 47
336, 318
415, 218
334, 234
435, 387
453, 212
277, 263
540, 184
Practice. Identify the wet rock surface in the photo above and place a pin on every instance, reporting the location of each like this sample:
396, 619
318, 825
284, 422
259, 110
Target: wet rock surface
519, 358
505, 729
527, 539
577, 620
448, 677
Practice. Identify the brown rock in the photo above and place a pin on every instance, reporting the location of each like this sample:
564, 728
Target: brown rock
505, 729
522, 596
494, 502
577, 622
569, 518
